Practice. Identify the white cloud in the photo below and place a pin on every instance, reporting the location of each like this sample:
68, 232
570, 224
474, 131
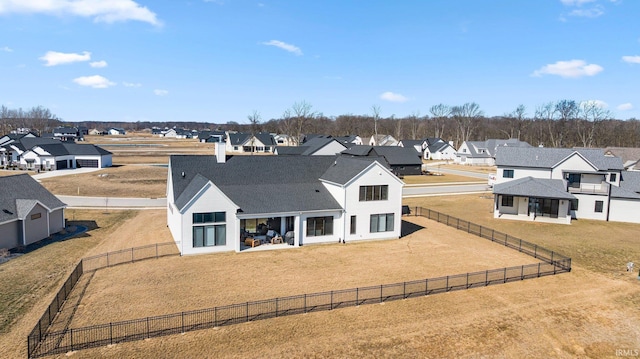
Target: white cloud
595, 103
96, 81
571, 69
54, 58
108, 11
625, 107
6, 49
393, 97
160, 92
283, 45
591, 12
130, 84
631, 59
575, 2
98, 64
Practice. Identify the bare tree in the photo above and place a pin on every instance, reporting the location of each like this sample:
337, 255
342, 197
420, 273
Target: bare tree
376, 117
466, 117
439, 114
414, 124
590, 114
254, 121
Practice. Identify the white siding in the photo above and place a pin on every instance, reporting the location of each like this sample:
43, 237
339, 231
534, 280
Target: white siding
338, 227
586, 207
375, 175
519, 172
625, 210
574, 163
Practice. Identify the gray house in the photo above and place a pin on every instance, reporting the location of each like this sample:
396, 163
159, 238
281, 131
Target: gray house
28, 212
402, 160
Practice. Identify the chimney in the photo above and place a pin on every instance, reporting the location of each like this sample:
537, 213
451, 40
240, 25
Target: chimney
220, 150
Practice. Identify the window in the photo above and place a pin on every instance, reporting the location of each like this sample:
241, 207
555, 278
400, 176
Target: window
374, 193
574, 204
507, 173
612, 177
36, 216
207, 236
319, 226
211, 235
599, 205
211, 217
353, 225
381, 223
507, 201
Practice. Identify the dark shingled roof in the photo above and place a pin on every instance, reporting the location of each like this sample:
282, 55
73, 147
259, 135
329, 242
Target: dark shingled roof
18, 195
263, 184
394, 155
534, 187
290, 150
629, 186
346, 168
61, 149
542, 157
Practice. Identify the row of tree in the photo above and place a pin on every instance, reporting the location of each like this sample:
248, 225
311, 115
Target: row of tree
563, 123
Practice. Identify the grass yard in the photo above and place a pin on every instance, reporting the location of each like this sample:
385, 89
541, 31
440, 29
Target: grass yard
434, 251
30, 281
444, 178
118, 181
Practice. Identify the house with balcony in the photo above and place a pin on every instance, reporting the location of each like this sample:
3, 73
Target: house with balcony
560, 184
247, 203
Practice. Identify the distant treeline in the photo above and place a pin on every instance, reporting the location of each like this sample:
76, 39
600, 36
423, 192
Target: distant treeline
565, 123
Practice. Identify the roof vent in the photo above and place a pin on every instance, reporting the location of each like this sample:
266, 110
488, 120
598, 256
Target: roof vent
317, 191
7, 211
182, 174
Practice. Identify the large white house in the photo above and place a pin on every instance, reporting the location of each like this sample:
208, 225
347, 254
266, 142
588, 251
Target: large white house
215, 205
483, 153
558, 184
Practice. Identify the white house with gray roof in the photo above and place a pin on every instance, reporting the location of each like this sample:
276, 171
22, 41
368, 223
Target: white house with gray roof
28, 212
483, 153
215, 205
558, 184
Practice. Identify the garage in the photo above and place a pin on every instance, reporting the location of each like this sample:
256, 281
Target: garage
60, 165
87, 163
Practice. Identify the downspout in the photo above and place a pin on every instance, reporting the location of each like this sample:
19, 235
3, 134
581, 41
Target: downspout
344, 215
608, 201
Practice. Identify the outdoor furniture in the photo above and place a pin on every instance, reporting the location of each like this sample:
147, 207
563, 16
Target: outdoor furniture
276, 240
252, 242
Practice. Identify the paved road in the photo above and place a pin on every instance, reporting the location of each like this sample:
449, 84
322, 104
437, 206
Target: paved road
113, 202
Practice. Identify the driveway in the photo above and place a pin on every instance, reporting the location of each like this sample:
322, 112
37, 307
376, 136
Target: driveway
65, 172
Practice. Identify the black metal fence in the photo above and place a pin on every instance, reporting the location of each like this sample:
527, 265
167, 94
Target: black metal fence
42, 343
507, 240
137, 329
86, 265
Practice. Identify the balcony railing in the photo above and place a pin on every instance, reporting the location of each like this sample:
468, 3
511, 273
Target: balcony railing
597, 188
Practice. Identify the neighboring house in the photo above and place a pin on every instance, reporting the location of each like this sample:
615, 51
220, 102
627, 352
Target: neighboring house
418, 145
630, 156
402, 161
318, 146
283, 140
116, 131
351, 140
212, 136
28, 212
483, 153
96, 132
216, 205
36, 153
66, 134
382, 140
558, 184
239, 142
438, 149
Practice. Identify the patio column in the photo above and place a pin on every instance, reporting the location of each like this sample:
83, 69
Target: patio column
297, 231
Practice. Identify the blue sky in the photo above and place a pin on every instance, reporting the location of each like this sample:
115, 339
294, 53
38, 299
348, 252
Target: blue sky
221, 60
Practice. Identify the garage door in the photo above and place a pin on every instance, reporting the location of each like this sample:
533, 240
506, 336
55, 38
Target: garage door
60, 165
87, 163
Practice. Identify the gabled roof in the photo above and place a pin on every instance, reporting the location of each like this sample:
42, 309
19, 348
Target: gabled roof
394, 155
27, 143
290, 150
542, 157
19, 194
257, 184
438, 146
534, 187
66, 130
488, 148
241, 138
345, 168
317, 143
63, 149
411, 143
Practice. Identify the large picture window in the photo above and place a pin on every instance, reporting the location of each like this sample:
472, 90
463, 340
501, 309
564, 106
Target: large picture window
209, 235
374, 193
319, 226
381, 222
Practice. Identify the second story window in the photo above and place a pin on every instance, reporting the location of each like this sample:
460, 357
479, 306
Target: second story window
613, 177
507, 173
374, 193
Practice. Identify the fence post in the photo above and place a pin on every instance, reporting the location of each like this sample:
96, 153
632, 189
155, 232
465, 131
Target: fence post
215, 316
520, 246
357, 290
535, 251
71, 338
480, 232
467, 287
276, 306
132, 255
380, 293
446, 287
493, 231
246, 311
539, 269
148, 332
182, 321
426, 286
504, 279
486, 278
111, 333
468, 227
331, 303
522, 272
156, 250
458, 224
107, 259
305, 302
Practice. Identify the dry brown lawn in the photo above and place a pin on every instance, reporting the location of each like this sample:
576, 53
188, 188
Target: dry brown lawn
119, 181
434, 251
479, 169
442, 179
14, 172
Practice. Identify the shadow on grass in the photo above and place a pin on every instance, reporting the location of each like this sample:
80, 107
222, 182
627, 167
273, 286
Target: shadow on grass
408, 228
74, 229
